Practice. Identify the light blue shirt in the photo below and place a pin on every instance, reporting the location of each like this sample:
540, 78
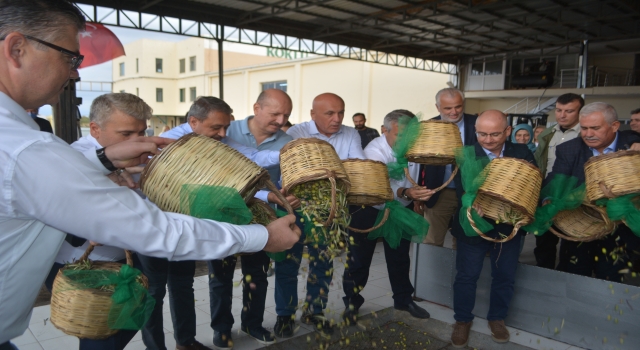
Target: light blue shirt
264, 159
346, 141
491, 155
608, 149
448, 169
239, 132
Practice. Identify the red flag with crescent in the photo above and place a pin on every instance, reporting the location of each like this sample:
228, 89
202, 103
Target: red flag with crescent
98, 44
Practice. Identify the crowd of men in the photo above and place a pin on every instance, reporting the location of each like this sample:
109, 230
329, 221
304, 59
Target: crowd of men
58, 199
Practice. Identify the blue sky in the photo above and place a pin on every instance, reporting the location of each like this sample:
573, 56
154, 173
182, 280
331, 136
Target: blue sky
102, 72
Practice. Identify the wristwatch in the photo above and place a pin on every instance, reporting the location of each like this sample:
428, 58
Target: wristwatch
104, 160
403, 194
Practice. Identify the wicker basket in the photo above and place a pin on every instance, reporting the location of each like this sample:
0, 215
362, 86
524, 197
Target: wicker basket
583, 224
256, 205
84, 312
509, 193
369, 182
310, 159
612, 175
436, 145
199, 160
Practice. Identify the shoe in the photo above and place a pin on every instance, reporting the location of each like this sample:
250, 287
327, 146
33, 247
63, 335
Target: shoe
260, 334
460, 335
284, 326
413, 309
499, 332
222, 340
196, 345
319, 321
350, 315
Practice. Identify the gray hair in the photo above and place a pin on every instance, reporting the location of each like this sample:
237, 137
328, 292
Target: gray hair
42, 19
105, 105
449, 91
607, 110
395, 115
204, 105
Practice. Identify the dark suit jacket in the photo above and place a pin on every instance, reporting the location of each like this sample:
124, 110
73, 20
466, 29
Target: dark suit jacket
432, 176
513, 150
571, 155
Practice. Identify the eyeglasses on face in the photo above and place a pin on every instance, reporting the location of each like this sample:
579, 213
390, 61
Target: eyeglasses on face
76, 58
493, 135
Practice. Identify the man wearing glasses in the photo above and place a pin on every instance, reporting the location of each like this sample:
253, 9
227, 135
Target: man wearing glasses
492, 130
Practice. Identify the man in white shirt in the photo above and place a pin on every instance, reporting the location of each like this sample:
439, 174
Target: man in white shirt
114, 118
361, 248
50, 188
327, 114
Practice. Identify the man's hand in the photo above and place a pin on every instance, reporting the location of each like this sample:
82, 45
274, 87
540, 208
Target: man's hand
135, 151
283, 234
294, 202
122, 178
95, 244
635, 147
419, 193
418, 207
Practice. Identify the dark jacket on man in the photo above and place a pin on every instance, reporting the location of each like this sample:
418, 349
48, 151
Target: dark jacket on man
512, 150
432, 176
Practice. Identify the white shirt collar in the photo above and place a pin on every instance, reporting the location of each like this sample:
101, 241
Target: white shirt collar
17, 110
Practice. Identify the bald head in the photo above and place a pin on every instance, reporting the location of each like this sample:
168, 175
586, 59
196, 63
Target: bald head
270, 112
492, 129
328, 112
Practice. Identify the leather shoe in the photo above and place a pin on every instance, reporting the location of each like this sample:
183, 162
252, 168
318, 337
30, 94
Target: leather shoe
414, 310
196, 345
350, 315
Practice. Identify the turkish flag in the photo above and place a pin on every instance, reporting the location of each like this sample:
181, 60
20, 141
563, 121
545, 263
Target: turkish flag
98, 44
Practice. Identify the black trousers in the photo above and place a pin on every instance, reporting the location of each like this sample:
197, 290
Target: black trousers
355, 276
254, 293
546, 251
580, 258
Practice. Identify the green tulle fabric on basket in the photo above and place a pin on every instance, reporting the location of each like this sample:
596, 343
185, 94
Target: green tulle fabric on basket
625, 208
402, 223
473, 176
408, 133
131, 303
562, 193
223, 204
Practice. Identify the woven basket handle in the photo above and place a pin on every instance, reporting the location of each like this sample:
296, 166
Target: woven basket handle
384, 219
563, 236
606, 190
85, 256
516, 227
332, 211
285, 202
445, 184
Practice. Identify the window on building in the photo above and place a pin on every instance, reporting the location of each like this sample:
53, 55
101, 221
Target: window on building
192, 94
182, 65
122, 69
158, 65
280, 85
137, 91
182, 95
121, 90
159, 96
493, 68
137, 66
192, 63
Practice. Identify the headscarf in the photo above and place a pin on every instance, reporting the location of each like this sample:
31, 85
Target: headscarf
530, 144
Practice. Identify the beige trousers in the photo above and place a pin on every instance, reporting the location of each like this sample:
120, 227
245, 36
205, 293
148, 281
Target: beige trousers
439, 217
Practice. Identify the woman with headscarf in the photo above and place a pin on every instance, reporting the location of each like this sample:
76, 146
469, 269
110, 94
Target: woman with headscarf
522, 133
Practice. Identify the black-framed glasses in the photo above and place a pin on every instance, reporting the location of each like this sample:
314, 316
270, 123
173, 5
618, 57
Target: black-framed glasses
493, 135
76, 58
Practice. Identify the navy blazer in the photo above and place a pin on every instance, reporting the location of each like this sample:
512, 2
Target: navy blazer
572, 155
513, 150
432, 176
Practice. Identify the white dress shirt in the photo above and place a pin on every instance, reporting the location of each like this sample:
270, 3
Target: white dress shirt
264, 159
48, 189
379, 149
346, 141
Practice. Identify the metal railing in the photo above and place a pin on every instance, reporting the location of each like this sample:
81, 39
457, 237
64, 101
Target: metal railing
600, 76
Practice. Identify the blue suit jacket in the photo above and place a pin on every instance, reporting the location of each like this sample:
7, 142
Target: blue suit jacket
513, 150
432, 176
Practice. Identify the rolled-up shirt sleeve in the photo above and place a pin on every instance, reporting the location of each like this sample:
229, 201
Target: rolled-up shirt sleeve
77, 198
